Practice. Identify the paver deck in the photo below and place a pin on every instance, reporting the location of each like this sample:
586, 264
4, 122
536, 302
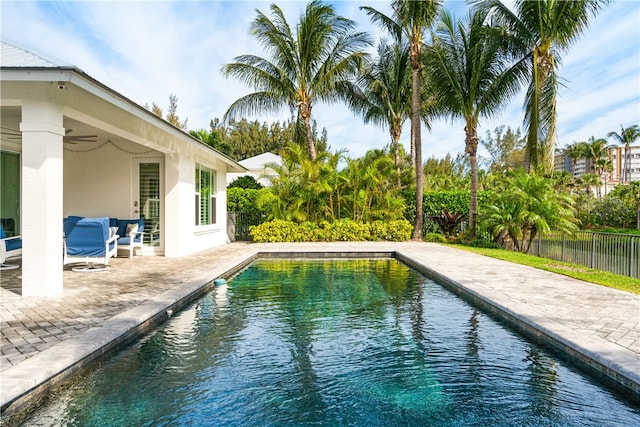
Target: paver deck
43, 337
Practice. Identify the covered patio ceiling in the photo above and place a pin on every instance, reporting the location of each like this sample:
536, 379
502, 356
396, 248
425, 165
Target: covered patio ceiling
77, 132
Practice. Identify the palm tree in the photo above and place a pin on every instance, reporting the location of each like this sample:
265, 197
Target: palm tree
542, 30
524, 206
626, 137
317, 62
594, 150
409, 22
574, 152
386, 93
465, 66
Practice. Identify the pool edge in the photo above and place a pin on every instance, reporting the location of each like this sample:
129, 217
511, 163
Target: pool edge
127, 326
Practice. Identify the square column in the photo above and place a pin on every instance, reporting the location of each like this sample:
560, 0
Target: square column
179, 205
42, 187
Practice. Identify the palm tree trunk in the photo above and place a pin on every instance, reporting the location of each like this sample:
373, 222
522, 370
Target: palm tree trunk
305, 113
625, 166
416, 137
471, 148
395, 139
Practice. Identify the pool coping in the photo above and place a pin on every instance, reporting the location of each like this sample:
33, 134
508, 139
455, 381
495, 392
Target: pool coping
31, 380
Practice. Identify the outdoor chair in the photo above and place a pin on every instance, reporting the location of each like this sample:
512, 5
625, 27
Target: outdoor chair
10, 247
89, 241
131, 232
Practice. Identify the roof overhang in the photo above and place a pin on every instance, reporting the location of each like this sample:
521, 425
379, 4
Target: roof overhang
89, 102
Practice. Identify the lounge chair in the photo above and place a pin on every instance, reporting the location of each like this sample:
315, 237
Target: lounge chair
89, 241
131, 232
10, 247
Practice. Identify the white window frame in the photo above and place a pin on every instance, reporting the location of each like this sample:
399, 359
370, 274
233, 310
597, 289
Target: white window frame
199, 192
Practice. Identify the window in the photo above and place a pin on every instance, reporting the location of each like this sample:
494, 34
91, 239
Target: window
205, 195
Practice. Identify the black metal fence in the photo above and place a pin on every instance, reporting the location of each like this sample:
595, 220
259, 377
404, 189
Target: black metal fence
238, 224
616, 253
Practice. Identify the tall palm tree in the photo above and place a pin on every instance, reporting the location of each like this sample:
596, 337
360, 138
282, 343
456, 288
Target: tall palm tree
466, 65
409, 21
542, 30
626, 137
386, 94
317, 61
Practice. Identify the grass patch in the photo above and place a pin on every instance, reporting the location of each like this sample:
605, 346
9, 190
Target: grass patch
599, 277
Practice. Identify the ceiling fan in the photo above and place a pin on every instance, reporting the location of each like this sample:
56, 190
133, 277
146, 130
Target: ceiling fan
74, 139
15, 135
10, 134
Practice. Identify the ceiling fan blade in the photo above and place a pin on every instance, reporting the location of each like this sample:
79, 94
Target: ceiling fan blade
81, 137
9, 131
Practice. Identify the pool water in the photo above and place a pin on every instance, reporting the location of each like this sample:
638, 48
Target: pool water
333, 343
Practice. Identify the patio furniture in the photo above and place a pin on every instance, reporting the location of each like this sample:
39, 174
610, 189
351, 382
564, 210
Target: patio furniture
131, 232
10, 247
89, 241
9, 225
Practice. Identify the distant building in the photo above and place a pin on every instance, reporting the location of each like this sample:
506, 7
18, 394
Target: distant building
624, 170
257, 168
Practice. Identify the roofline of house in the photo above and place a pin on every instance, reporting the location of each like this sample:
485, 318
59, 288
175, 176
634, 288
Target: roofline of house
76, 76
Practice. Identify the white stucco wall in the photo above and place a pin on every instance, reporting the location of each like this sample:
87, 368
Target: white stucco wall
100, 182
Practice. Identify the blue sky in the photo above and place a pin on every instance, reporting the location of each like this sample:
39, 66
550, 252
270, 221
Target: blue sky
147, 50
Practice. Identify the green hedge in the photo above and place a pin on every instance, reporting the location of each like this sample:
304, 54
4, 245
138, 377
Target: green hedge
342, 230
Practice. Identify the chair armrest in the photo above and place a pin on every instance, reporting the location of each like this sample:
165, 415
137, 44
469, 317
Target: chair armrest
113, 238
11, 238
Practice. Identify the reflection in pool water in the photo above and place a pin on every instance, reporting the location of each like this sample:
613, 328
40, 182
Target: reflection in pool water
329, 343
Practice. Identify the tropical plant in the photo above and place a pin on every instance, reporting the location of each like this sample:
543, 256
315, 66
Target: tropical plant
523, 207
631, 193
541, 31
626, 137
370, 192
466, 65
386, 93
574, 152
449, 222
319, 61
315, 191
409, 21
588, 180
596, 154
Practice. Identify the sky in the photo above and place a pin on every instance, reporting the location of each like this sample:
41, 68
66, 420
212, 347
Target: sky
149, 50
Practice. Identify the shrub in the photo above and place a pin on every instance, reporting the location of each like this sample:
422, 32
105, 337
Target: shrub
343, 230
613, 212
246, 182
435, 237
242, 200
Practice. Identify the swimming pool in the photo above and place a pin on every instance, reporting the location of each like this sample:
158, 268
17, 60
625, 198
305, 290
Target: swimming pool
340, 342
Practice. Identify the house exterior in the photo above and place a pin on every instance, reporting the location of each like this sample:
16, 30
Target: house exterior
257, 168
70, 145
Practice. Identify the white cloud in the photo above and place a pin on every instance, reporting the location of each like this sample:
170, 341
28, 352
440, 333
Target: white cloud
149, 50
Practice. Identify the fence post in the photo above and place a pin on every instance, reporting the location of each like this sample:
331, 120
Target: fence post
540, 244
632, 241
562, 250
592, 261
